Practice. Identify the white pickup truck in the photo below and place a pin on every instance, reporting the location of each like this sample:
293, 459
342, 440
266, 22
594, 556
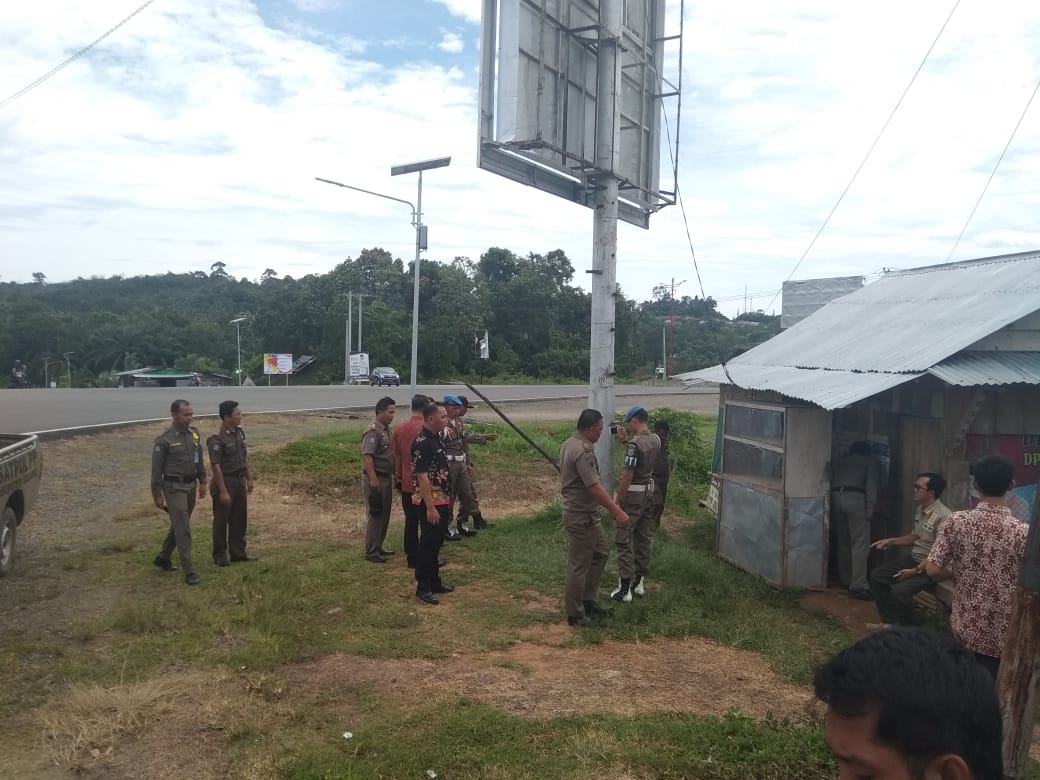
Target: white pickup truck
21, 464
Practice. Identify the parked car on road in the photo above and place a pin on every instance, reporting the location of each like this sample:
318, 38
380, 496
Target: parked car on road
384, 375
20, 467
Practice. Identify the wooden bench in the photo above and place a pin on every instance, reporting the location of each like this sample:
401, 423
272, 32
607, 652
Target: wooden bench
938, 599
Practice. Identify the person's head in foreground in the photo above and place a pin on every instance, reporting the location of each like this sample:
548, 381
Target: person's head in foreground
909, 704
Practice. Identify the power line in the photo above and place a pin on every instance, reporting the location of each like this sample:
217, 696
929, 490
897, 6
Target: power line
994, 171
29, 87
871, 149
712, 325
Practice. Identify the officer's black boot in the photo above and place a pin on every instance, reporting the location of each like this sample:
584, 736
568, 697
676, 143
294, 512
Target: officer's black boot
480, 523
623, 591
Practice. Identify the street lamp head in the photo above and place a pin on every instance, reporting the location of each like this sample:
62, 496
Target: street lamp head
425, 165
240, 319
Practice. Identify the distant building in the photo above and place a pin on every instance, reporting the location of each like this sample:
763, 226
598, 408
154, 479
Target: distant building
171, 377
801, 298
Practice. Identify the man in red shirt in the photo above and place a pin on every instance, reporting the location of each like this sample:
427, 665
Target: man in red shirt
981, 550
401, 444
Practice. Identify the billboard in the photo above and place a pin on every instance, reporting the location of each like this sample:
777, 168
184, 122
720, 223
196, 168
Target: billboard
277, 363
359, 364
539, 95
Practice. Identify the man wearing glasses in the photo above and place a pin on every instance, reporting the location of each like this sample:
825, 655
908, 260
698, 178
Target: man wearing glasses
895, 583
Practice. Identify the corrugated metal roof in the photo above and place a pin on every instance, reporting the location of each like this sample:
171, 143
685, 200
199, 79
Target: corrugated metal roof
951, 307
969, 369
829, 389
895, 330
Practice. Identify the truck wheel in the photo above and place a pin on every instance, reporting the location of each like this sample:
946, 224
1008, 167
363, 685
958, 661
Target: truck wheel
7, 533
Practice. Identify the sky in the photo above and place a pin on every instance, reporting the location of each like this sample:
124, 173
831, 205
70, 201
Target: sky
194, 133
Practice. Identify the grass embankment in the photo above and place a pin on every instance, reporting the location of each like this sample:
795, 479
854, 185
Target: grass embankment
307, 601
692, 594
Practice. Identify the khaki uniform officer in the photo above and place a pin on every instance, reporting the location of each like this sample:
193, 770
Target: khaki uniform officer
377, 481
176, 466
479, 523
635, 495
583, 495
232, 483
452, 439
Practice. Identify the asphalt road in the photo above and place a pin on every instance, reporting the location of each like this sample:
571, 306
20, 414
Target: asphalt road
55, 412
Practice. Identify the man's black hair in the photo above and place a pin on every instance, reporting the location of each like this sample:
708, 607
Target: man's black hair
419, 401
588, 418
176, 405
936, 482
929, 694
226, 408
993, 474
431, 409
384, 402
859, 448
662, 425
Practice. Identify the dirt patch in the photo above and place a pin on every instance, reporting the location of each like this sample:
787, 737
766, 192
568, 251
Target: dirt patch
853, 613
547, 680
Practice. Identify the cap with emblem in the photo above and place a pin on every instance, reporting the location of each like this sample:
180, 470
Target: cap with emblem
452, 400
632, 413
465, 402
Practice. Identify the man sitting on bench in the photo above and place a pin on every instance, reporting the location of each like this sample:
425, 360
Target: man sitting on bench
895, 583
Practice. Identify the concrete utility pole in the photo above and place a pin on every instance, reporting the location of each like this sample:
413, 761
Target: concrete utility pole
1018, 682
671, 325
350, 343
604, 236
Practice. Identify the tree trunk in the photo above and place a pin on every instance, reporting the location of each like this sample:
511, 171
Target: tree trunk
1019, 676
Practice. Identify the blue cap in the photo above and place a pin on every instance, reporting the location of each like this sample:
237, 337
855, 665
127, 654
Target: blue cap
452, 400
632, 413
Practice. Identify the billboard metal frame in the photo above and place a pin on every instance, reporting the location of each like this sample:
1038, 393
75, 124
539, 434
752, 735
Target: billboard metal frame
544, 133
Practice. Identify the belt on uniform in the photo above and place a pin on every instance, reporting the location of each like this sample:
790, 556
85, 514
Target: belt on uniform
848, 489
457, 458
234, 474
168, 478
641, 488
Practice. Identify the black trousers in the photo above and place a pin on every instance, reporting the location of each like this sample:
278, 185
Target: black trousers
411, 528
431, 537
229, 522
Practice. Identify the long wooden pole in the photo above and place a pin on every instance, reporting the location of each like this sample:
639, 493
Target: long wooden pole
1018, 682
512, 425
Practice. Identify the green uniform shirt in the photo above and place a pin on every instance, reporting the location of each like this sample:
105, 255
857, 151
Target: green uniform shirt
177, 454
376, 442
579, 471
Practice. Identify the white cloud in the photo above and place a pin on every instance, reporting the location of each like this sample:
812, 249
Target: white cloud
316, 5
467, 9
451, 43
194, 132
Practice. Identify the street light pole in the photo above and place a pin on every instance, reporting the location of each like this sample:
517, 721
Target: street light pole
238, 339
68, 368
671, 328
420, 244
420, 238
47, 363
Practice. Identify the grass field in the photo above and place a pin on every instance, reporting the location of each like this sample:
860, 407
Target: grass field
264, 669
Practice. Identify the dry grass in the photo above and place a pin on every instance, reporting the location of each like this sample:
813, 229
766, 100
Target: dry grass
89, 721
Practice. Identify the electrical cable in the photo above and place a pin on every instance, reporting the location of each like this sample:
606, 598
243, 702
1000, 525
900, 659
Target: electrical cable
29, 87
870, 150
712, 329
994, 171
